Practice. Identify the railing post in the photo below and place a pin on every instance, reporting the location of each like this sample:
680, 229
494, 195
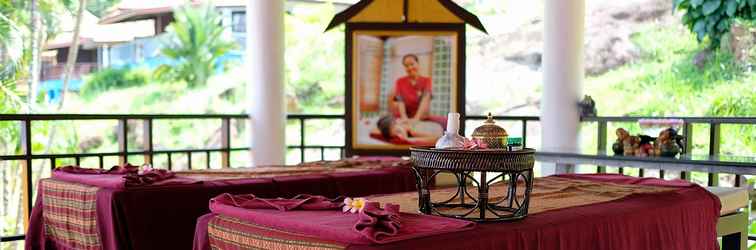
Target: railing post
302, 139
688, 147
225, 143
714, 141
688, 134
147, 140
26, 169
601, 145
123, 148
207, 160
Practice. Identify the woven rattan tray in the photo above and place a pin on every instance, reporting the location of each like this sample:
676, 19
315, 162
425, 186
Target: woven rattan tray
514, 168
495, 160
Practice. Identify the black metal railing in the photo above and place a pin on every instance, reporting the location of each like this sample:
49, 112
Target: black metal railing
225, 148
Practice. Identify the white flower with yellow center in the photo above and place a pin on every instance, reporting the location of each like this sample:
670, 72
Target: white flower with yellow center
353, 205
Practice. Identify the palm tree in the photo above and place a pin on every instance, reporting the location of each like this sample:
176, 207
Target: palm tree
73, 52
195, 43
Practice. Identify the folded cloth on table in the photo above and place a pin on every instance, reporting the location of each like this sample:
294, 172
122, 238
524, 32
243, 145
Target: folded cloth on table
377, 224
373, 225
147, 177
299, 202
118, 176
118, 169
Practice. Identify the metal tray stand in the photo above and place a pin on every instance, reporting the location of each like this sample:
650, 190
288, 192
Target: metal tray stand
515, 168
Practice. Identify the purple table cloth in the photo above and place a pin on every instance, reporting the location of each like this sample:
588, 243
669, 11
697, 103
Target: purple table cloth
163, 217
682, 219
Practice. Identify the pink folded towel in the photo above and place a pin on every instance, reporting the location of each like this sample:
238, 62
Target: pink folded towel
147, 177
319, 217
377, 224
124, 176
119, 169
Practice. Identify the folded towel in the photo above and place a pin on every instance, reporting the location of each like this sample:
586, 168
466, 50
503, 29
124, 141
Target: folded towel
124, 176
147, 177
119, 169
299, 202
377, 224
372, 226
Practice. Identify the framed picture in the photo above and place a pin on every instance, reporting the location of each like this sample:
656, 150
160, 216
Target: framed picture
402, 81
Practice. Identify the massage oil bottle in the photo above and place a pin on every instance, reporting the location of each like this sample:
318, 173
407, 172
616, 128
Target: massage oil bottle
451, 138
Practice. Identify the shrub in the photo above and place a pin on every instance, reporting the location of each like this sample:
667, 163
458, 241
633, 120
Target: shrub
713, 18
113, 78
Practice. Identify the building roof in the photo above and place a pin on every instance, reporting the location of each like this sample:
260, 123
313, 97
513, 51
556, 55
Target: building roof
406, 11
93, 34
131, 10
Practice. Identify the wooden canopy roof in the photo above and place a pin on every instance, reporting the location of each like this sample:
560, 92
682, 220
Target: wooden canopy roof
406, 11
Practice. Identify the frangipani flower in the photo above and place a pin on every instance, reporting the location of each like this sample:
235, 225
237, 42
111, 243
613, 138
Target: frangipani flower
353, 205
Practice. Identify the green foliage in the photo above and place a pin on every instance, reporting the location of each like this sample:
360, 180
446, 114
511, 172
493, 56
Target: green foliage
98, 7
664, 82
113, 78
195, 42
713, 18
314, 61
12, 61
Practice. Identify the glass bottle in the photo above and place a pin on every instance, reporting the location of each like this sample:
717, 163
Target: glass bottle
451, 138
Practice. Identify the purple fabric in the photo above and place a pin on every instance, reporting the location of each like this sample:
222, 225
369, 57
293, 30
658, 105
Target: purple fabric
201, 237
339, 226
118, 169
148, 177
320, 184
379, 181
299, 202
378, 224
119, 177
164, 216
684, 219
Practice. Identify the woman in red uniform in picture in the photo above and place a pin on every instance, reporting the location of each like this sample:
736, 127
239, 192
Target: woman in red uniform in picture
409, 100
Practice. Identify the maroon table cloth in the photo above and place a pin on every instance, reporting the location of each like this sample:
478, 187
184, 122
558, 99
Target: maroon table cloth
164, 217
683, 219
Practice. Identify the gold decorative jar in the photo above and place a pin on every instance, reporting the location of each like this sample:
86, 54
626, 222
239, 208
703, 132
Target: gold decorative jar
491, 134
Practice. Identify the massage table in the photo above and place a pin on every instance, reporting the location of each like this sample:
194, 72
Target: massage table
597, 211
69, 215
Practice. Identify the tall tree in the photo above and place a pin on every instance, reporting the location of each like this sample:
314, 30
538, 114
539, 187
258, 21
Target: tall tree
73, 52
34, 65
195, 42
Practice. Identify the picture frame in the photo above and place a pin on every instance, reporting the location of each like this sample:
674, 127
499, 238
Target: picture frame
377, 59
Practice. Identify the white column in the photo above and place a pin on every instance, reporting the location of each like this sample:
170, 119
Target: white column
563, 74
265, 82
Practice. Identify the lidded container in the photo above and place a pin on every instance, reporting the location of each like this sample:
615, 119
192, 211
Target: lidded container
490, 133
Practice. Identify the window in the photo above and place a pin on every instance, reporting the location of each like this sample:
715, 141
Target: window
238, 21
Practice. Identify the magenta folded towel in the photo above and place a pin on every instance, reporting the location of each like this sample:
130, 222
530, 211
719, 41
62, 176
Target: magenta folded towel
147, 177
377, 224
119, 176
118, 169
372, 226
299, 202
